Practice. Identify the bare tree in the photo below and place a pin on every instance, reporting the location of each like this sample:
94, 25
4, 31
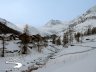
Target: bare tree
25, 39
3, 42
26, 29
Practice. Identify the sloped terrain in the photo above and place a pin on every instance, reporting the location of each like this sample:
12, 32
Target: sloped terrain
7, 27
80, 23
78, 58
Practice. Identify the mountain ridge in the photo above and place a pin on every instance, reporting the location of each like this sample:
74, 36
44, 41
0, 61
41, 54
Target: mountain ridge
58, 26
86, 18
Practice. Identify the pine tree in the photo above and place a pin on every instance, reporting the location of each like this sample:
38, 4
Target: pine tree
65, 39
54, 39
77, 37
94, 30
58, 41
89, 30
70, 33
26, 31
81, 36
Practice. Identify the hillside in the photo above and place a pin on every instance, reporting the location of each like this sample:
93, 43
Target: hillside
54, 27
80, 23
8, 27
78, 58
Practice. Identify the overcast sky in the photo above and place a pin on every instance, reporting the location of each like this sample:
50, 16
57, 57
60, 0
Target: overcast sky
38, 12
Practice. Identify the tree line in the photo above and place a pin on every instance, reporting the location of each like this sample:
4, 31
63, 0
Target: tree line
38, 41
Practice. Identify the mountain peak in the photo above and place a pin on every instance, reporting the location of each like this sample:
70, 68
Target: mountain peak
92, 9
53, 22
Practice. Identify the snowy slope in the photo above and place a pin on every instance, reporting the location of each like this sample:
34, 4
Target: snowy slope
80, 23
52, 23
84, 26
10, 25
89, 14
87, 64
93, 9
33, 30
79, 58
54, 27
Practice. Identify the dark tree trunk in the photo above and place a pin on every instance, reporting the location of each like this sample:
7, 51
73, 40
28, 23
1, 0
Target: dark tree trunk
3, 46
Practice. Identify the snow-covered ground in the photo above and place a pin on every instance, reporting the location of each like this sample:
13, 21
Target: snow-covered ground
80, 57
31, 60
86, 64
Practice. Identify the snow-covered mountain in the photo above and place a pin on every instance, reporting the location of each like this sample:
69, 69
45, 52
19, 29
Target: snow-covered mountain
33, 31
80, 23
58, 27
54, 27
4, 24
90, 14
12, 28
53, 23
